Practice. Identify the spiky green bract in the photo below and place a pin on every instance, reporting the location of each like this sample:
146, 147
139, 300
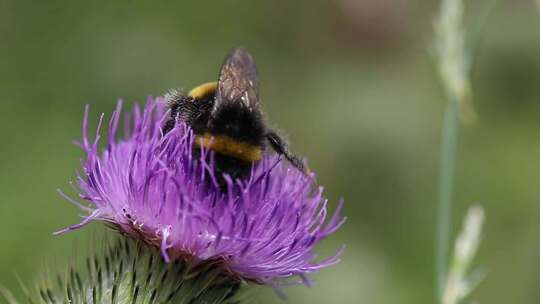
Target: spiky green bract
129, 272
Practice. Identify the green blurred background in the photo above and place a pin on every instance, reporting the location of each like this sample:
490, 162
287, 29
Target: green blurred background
351, 82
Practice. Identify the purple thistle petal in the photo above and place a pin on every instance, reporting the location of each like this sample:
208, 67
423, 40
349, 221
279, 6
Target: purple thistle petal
150, 186
94, 215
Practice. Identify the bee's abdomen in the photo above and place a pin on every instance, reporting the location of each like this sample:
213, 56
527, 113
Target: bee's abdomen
228, 146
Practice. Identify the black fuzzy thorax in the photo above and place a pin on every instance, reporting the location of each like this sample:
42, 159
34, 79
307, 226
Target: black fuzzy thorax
239, 123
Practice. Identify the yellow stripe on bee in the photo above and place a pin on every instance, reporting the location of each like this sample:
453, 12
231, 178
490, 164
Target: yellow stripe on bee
204, 90
228, 146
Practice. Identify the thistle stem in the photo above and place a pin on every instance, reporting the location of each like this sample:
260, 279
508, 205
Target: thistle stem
449, 138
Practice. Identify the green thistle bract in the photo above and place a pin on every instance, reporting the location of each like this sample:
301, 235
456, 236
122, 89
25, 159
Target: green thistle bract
129, 272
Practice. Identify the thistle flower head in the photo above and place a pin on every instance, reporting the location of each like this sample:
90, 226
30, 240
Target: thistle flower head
153, 187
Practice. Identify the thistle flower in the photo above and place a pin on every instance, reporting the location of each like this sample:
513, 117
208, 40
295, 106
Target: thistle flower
152, 187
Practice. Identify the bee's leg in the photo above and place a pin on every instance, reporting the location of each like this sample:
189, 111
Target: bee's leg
280, 146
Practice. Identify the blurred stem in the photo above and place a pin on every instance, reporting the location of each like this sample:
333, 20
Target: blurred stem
477, 28
449, 137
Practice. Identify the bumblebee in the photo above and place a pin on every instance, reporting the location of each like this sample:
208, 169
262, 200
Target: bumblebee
226, 118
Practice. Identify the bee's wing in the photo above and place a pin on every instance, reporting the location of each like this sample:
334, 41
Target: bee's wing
238, 81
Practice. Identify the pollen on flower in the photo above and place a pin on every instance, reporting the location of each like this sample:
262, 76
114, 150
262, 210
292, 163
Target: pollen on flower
152, 187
